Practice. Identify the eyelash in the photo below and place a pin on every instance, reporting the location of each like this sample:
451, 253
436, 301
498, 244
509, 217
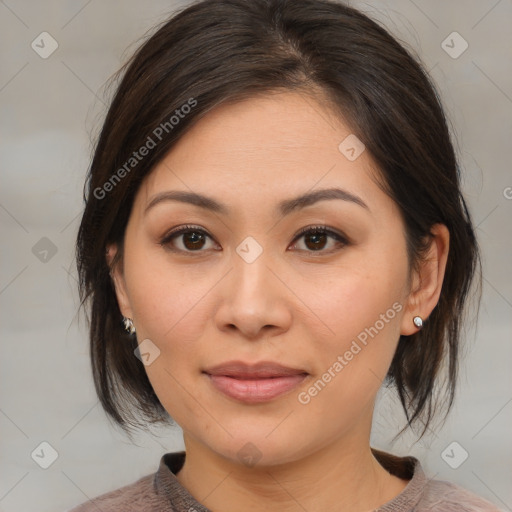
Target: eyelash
320, 229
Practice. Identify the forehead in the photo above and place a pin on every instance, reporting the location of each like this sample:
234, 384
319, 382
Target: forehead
284, 124
267, 147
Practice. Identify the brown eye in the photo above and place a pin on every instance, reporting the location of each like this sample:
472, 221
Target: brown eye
320, 239
187, 239
193, 240
315, 241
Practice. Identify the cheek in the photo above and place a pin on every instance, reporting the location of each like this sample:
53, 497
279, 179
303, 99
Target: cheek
360, 295
165, 302
170, 309
363, 307
351, 364
360, 304
171, 303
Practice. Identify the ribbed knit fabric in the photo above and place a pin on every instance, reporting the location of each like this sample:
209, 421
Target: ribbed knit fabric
161, 492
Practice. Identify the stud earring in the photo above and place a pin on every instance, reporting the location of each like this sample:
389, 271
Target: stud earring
128, 325
418, 322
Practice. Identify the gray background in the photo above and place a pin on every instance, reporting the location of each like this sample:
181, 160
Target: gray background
51, 110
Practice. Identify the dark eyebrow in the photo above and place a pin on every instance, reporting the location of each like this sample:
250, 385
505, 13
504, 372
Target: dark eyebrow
284, 207
310, 198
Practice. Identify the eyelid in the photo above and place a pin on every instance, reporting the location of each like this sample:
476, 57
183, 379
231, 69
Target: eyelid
339, 236
184, 229
324, 229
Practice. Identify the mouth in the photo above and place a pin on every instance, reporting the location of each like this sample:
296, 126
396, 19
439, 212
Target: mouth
255, 383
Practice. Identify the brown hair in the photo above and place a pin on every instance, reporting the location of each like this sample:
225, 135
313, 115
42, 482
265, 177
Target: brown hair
215, 51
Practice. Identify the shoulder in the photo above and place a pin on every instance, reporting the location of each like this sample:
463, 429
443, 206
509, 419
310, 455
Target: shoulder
140, 495
424, 494
156, 492
439, 495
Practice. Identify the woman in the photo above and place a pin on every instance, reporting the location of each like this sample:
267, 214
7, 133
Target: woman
274, 228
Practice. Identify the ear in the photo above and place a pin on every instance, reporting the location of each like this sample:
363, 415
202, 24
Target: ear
116, 273
427, 280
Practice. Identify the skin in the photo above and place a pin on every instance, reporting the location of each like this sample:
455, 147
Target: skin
294, 305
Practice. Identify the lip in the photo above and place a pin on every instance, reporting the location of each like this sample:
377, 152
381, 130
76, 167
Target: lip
263, 369
254, 383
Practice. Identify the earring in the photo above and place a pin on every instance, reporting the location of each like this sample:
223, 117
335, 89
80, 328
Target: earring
128, 325
418, 322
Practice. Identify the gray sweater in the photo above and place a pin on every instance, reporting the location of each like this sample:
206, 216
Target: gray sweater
161, 492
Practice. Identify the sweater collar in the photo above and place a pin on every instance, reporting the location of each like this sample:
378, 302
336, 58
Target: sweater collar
167, 486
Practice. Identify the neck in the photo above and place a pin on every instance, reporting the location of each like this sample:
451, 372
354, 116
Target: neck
341, 477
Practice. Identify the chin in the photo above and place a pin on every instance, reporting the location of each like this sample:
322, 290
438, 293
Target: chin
259, 446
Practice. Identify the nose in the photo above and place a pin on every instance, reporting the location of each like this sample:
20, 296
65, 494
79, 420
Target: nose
255, 302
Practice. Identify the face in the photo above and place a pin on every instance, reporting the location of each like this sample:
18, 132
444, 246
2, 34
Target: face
250, 272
